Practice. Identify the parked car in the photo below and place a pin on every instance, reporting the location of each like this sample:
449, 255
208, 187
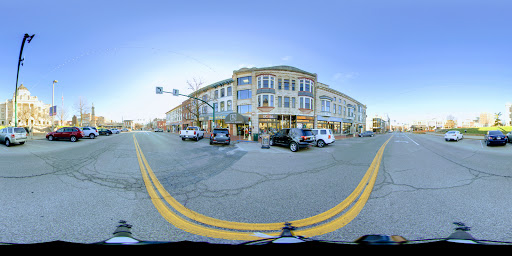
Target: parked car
323, 137
103, 131
90, 132
115, 130
125, 130
366, 134
66, 133
192, 132
509, 137
495, 137
453, 135
294, 138
13, 135
159, 130
220, 135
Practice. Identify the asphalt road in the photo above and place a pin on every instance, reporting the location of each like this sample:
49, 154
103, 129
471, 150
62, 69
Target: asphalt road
79, 191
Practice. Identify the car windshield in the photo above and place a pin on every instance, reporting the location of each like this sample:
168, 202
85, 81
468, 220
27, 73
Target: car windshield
398, 100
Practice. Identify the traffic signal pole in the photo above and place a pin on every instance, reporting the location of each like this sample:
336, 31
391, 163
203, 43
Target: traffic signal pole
159, 90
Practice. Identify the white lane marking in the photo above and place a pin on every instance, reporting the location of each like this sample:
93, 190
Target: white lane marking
412, 140
481, 145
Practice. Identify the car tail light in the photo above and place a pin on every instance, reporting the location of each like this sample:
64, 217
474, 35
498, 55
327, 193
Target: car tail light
12, 135
329, 136
194, 132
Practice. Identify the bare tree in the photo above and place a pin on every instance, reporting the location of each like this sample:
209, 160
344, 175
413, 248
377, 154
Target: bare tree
450, 122
196, 107
82, 108
63, 115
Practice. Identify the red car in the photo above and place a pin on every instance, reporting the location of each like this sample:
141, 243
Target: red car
67, 133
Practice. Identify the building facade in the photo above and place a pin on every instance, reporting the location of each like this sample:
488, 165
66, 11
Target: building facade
173, 119
265, 100
31, 112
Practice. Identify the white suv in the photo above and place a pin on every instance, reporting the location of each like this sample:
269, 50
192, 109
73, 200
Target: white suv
323, 137
90, 132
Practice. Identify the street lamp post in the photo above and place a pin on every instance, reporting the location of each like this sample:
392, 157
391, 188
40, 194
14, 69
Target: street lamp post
53, 110
20, 62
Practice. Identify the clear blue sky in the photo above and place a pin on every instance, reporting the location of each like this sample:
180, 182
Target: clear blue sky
408, 59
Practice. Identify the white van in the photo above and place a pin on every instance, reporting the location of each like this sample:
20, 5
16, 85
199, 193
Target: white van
323, 137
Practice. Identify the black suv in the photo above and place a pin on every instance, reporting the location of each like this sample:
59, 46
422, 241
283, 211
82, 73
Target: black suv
220, 135
294, 138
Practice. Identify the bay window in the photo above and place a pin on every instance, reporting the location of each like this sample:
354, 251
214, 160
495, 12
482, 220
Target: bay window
265, 100
306, 85
266, 82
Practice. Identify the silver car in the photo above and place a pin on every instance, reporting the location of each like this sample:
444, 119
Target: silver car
13, 135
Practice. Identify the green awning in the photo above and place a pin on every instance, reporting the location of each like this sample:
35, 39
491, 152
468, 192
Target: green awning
236, 118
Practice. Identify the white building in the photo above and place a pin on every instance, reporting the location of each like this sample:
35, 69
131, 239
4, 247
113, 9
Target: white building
30, 111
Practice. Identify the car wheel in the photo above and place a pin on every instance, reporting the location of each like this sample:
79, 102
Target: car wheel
91, 135
72, 138
320, 143
293, 147
50, 138
7, 143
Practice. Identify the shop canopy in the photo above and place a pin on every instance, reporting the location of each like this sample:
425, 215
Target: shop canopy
331, 119
236, 118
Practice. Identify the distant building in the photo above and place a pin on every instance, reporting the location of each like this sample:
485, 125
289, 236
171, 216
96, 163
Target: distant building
507, 117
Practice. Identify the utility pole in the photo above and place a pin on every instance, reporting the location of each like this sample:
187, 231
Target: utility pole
20, 61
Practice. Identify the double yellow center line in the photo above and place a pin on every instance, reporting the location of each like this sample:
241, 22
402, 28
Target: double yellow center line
196, 223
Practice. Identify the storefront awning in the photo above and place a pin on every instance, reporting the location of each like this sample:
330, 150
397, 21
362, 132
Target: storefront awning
236, 118
329, 119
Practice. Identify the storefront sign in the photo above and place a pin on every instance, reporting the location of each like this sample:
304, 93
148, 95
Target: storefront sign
267, 116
